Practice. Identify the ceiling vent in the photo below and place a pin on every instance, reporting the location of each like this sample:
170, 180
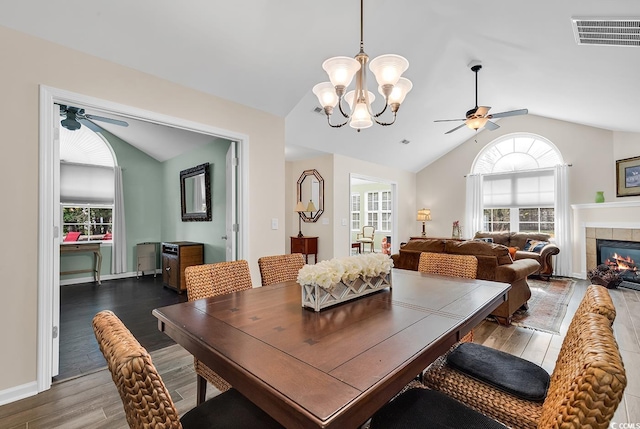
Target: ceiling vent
405, 141
607, 31
318, 110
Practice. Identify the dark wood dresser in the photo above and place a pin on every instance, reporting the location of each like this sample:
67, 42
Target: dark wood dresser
176, 256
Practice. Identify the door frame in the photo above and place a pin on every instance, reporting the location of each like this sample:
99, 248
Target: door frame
394, 204
49, 233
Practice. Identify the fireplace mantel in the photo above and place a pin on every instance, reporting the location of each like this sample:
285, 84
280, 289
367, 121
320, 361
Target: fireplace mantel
613, 205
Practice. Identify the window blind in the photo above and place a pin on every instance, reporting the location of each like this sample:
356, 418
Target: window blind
524, 189
86, 184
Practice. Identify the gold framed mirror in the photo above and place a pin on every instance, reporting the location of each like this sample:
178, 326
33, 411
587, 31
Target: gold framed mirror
311, 190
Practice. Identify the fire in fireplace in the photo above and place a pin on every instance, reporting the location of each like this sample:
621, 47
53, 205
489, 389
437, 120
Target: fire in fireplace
622, 256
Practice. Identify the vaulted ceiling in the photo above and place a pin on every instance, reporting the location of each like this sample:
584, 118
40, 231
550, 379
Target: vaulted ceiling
268, 55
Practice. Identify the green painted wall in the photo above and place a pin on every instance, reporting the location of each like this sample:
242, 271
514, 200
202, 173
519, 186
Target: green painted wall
209, 233
152, 204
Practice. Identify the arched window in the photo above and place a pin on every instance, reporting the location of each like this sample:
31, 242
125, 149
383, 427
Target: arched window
518, 186
86, 185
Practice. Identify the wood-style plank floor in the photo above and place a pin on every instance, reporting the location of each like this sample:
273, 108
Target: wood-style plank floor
92, 401
131, 299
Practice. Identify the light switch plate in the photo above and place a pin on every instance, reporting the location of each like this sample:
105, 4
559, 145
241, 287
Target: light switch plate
325, 221
344, 222
274, 223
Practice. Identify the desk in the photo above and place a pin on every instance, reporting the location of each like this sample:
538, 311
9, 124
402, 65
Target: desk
71, 248
334, 368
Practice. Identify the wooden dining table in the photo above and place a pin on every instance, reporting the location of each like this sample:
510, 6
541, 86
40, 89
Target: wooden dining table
336, 367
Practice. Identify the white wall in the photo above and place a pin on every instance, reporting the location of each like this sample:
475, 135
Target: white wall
591, 152
29, 62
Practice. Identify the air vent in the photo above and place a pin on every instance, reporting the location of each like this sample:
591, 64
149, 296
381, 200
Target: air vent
319, 110
405, 141
607, 31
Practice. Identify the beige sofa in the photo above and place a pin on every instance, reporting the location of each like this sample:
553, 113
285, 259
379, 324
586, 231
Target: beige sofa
518, 241
494, 263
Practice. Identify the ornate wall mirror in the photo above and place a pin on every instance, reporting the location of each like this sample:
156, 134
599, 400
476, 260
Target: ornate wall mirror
195, 193
311, 189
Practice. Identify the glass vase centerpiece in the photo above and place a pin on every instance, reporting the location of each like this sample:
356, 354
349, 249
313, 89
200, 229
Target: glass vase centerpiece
338, 280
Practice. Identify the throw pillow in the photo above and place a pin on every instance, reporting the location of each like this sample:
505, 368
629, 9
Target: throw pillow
534, 245
512, 252
485, 239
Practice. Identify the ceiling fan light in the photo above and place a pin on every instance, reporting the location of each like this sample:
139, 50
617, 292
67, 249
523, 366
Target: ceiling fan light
351, 94
399, 92
476, 123
341, 70
388, 68
360, 118
326, 94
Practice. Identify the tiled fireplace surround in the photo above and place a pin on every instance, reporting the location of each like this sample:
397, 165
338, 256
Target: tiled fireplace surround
592, 234
619, 220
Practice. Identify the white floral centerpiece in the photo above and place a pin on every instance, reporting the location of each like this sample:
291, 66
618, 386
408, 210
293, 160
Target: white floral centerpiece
337, 280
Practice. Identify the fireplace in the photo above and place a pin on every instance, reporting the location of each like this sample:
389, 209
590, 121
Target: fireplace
622, 256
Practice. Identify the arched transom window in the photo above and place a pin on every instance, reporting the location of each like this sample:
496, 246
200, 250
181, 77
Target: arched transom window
518, 186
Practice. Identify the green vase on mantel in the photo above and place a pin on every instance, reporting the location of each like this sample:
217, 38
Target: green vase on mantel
599, 196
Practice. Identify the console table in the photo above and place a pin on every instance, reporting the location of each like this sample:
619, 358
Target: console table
71, 248
305, 245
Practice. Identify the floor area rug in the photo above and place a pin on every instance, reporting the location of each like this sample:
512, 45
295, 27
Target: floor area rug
547, 305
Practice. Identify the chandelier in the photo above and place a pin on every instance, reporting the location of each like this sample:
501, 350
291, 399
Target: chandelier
387, 70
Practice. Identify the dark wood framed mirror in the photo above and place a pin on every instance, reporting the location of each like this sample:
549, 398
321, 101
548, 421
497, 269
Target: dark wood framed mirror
311, 190
195, 193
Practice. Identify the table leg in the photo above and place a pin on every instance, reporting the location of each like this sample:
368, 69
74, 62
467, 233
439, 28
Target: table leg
98, 266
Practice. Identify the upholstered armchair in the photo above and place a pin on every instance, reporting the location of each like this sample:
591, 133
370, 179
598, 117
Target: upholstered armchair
366, 236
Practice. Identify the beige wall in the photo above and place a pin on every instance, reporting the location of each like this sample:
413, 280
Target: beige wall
591, 151
334, 238
29, 62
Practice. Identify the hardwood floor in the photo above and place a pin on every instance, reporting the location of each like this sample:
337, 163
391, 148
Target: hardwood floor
92, 401
131, 299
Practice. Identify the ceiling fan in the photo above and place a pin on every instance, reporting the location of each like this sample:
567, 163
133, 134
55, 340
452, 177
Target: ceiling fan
72, 116
478, 117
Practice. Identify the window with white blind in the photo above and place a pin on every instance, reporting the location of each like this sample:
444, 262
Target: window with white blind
519, 201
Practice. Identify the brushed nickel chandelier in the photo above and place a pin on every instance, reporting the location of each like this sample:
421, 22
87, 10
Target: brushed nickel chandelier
387, 70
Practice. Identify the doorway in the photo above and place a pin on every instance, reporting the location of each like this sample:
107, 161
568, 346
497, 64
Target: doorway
373, 203
49, 225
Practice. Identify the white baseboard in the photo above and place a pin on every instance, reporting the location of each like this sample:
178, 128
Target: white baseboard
18, 392
89, 279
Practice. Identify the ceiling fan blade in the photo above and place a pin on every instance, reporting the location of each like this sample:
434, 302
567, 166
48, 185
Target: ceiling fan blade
456, 128
482, 110
509, 113
448, 120
107, 120
491, 126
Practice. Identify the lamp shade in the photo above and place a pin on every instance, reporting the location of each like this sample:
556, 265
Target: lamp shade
476, 123
399, 92
349, 96
310, 207
299, 207
388, 68
326, 94
341, 70
423, 215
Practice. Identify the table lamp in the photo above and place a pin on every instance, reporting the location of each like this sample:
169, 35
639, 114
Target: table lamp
424, 215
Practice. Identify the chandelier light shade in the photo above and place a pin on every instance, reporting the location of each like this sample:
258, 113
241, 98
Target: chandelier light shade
387, 70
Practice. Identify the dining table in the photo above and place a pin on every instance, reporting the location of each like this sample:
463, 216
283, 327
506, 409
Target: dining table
336, 367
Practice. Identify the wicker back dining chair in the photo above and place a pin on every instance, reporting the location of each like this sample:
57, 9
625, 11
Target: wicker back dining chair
506, 407
205, 281
145, 398
586, 387
465, 266
280, 268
